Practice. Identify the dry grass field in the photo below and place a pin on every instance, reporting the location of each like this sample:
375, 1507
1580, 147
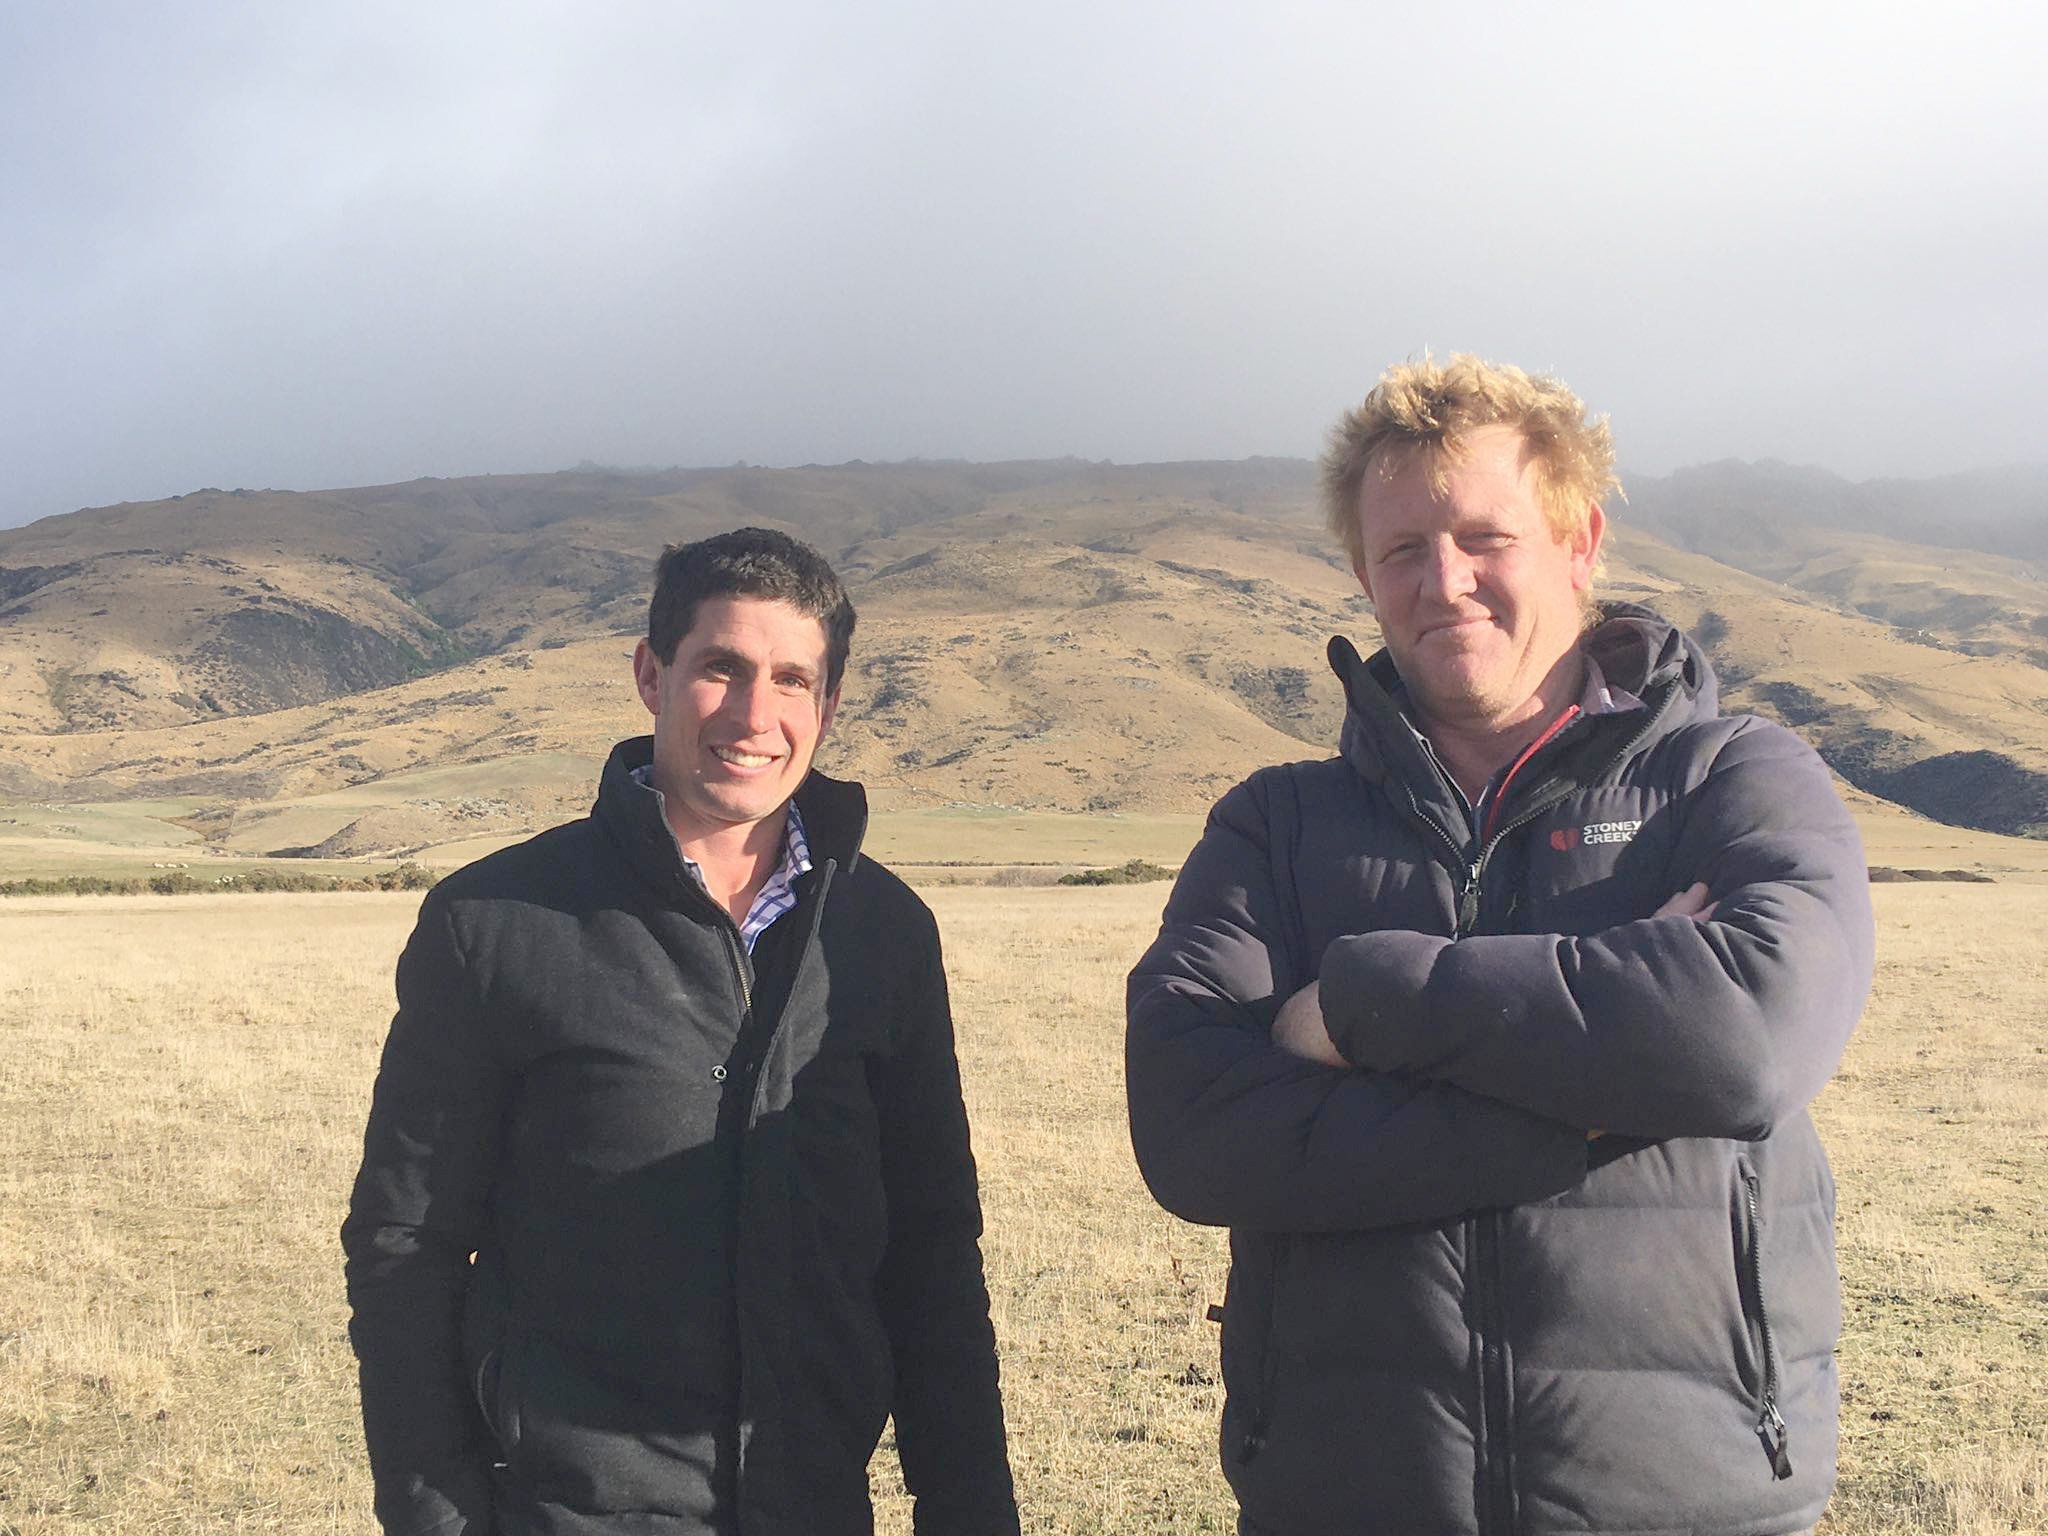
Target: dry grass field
182, 1086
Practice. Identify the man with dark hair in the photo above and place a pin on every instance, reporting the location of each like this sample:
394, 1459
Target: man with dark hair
1491, 1039
666, 1199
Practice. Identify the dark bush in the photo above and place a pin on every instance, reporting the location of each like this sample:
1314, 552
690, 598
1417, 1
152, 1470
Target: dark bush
1135, 872
1884, 874
261, 881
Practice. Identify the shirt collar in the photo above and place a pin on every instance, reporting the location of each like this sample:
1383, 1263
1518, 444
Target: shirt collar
796, 849
1601, 697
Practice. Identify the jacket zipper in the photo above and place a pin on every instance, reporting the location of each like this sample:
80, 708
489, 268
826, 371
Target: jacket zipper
1770, 1423
739, 970
816, 908
1550, 733
815, 905
1484, 1230
1468, 866
735, 947
1254, 1439
1468, 896
1497, 1442
737, 955
1543, 800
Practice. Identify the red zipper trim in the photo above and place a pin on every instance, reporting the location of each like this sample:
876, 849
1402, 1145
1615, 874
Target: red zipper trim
1500, 796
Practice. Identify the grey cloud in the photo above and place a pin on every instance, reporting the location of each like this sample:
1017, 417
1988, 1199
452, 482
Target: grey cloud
258, 245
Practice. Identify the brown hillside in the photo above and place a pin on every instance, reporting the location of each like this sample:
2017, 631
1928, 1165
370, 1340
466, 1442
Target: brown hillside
1957, 562
377, 670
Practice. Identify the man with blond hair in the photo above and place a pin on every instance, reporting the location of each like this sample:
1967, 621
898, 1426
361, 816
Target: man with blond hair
1491, 1039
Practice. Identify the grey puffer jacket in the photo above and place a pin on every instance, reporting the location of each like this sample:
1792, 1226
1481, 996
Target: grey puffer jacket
1450, 1311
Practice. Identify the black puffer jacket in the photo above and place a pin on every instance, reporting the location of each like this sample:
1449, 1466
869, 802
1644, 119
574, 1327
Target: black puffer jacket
1449, 1312
524, 1111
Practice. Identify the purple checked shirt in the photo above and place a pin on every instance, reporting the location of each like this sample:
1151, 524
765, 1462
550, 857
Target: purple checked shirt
778, 895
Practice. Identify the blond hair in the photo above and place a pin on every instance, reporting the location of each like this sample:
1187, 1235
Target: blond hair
1432, 409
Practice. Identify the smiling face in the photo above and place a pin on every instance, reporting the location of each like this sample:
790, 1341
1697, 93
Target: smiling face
1479, 600
738, 712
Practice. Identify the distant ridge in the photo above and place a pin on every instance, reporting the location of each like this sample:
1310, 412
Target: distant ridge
1058, 634
1990, 511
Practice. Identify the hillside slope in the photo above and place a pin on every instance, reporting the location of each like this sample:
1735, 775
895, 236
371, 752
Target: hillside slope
328, 671
1958, 562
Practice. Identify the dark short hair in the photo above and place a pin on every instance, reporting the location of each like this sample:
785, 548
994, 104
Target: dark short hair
748, 562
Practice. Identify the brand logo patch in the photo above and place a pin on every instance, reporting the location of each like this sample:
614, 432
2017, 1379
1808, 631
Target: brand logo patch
1610, 831
1565, 839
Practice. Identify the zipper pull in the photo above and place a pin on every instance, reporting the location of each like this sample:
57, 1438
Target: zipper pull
1771, 1430
1468, 900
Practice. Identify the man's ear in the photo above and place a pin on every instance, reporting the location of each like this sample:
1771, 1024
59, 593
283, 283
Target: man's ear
1585, 547
647, 677
1364, 585
825, 715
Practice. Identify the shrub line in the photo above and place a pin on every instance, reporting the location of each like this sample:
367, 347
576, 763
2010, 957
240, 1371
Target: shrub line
264, 882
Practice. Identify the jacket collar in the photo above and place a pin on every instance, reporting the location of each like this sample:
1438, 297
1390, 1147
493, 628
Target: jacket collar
835, 814
1635, 648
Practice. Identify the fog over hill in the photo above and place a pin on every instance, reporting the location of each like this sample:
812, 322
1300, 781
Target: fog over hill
1736, 506
1959, 560
1059, 635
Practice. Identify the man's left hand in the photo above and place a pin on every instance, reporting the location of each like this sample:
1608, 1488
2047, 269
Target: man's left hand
1299, 1029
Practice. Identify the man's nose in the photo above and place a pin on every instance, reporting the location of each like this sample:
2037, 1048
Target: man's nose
1448, 574
752, 704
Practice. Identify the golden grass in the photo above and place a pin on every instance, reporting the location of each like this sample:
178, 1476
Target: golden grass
1938, 1127
1110, 1372
181, 1089
182, 1085
922, 843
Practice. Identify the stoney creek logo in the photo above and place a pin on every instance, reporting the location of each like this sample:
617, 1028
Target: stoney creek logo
1565, 839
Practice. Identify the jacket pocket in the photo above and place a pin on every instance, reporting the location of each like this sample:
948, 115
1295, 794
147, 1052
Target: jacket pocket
500, 1410
1254, 1316
1756, 1316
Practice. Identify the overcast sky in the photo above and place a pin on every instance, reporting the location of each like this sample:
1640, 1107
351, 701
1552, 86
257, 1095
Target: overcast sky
280, 245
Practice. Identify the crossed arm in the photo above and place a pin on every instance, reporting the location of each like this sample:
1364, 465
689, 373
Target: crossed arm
1230, 1130
1717, 1015
1719, 1023
1300, 1029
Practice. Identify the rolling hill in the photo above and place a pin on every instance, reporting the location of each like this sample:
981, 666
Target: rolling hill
354, 672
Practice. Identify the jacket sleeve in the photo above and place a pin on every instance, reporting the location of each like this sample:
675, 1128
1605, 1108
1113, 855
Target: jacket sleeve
413, 1222
931, 1294
1231, 1130
1663, 1026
